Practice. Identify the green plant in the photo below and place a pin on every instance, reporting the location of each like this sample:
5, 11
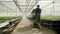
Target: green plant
33, 17
34, 24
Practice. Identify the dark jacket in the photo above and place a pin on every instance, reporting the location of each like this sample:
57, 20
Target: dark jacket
37, 11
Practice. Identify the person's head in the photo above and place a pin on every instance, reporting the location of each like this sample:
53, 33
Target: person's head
38, 6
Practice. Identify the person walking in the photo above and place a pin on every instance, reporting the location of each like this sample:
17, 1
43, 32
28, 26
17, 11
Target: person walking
37, 12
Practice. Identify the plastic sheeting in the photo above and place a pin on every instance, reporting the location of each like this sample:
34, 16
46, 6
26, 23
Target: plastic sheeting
9, 8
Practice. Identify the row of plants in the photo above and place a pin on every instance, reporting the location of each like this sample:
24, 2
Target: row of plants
33, 18
34, 24
3, 19
50, 17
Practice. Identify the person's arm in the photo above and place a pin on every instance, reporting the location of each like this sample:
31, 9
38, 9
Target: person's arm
40, 11
33, 11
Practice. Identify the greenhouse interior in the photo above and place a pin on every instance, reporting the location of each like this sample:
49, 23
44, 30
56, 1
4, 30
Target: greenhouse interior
16, 17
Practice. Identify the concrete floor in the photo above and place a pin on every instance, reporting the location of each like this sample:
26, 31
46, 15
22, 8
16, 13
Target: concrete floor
24, 28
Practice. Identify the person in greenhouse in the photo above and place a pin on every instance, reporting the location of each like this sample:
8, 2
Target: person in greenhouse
37, 12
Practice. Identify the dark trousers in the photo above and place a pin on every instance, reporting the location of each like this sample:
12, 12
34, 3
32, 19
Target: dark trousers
38, 21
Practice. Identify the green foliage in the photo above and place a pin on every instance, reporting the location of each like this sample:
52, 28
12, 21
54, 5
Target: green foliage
50, 17
7, 18
3, 19
34, 24
33, 17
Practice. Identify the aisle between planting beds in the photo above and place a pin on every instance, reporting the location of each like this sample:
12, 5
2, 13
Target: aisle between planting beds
9, 25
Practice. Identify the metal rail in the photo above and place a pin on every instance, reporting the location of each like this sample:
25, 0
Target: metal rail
17, 4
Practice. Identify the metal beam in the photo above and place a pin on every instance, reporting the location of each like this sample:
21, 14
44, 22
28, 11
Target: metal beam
17, 4
33, 7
